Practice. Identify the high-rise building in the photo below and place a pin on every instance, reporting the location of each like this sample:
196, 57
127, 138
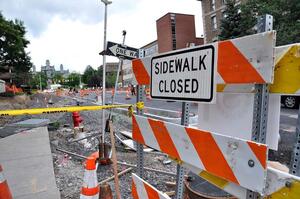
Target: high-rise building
212, 13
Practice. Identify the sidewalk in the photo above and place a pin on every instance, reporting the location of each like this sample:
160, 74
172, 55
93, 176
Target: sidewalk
27, 164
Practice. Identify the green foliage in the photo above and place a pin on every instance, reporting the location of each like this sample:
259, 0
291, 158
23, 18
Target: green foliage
36, 79
73, 80
230, 25
58, 78
12, 49
286, 15
91, 77
111, 80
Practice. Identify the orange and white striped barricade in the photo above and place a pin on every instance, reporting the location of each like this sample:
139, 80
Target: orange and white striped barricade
143, 190
245, 60
236, 160
4, 189
90, 188
286, 73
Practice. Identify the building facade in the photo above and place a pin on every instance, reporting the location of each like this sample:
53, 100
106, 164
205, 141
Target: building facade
212, 13
48, 70
176, 31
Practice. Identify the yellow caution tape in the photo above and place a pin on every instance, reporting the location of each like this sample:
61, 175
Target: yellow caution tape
62, 109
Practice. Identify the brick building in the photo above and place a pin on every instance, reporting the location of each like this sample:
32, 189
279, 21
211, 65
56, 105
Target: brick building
212, 13
176, 31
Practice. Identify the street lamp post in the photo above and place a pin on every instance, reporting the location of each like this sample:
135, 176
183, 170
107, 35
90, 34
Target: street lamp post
106, 2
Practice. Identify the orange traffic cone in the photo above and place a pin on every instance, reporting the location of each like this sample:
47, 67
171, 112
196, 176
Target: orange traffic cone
4, 189
127, 95
90, 188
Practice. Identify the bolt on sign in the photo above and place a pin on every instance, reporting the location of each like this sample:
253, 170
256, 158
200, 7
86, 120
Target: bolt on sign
185, 75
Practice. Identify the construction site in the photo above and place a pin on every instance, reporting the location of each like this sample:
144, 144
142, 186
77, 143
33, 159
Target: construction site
182, 117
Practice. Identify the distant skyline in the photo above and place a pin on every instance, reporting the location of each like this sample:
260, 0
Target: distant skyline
70, 32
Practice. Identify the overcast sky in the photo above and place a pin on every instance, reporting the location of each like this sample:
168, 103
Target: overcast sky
70, 32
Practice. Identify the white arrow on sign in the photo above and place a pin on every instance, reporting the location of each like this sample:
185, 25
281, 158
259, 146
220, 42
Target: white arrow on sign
118, 51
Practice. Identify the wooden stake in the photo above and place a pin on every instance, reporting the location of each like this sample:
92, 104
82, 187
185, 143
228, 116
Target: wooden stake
112, 177
114, 160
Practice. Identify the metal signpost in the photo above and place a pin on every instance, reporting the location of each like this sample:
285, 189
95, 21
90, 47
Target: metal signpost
295, 164
139, 147
106, 3
121, 51
261, 100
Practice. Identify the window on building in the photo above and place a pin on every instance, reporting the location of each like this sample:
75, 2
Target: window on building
213, 4
173, 30
214, 22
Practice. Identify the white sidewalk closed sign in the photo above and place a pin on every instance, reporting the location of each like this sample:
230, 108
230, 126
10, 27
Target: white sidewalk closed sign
185, 75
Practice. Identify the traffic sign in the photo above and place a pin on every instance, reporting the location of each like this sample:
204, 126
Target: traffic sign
123, 51
185, 75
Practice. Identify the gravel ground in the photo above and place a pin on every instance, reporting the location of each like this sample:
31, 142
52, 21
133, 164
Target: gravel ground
69, 170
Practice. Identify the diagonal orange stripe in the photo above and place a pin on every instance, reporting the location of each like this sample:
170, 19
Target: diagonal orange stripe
260, 152
141, 75
234, 67
134, 192
210, 154
163, 138
136, 132
152, 194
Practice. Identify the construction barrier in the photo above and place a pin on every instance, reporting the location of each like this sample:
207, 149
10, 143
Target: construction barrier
143, 190
139, 105
240, 71
238, 161
90, 188
253, 61
280, 185
4, 189
287, 70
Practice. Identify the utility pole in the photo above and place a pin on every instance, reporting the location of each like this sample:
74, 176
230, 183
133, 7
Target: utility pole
41, 82
106, 2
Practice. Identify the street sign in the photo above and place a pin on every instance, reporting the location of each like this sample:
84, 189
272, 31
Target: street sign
122, 51
185, 75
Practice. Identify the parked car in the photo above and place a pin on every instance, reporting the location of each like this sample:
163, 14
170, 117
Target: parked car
290, 101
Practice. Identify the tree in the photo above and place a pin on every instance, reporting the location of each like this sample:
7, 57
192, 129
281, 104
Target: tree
286, 15
230, 24
58, 78
12, 49
111, 80
37, 79
73, 80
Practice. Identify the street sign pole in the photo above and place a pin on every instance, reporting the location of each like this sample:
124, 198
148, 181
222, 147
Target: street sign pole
119, 68
180, 170
139, 147
295, 166
104, 71
261, 100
